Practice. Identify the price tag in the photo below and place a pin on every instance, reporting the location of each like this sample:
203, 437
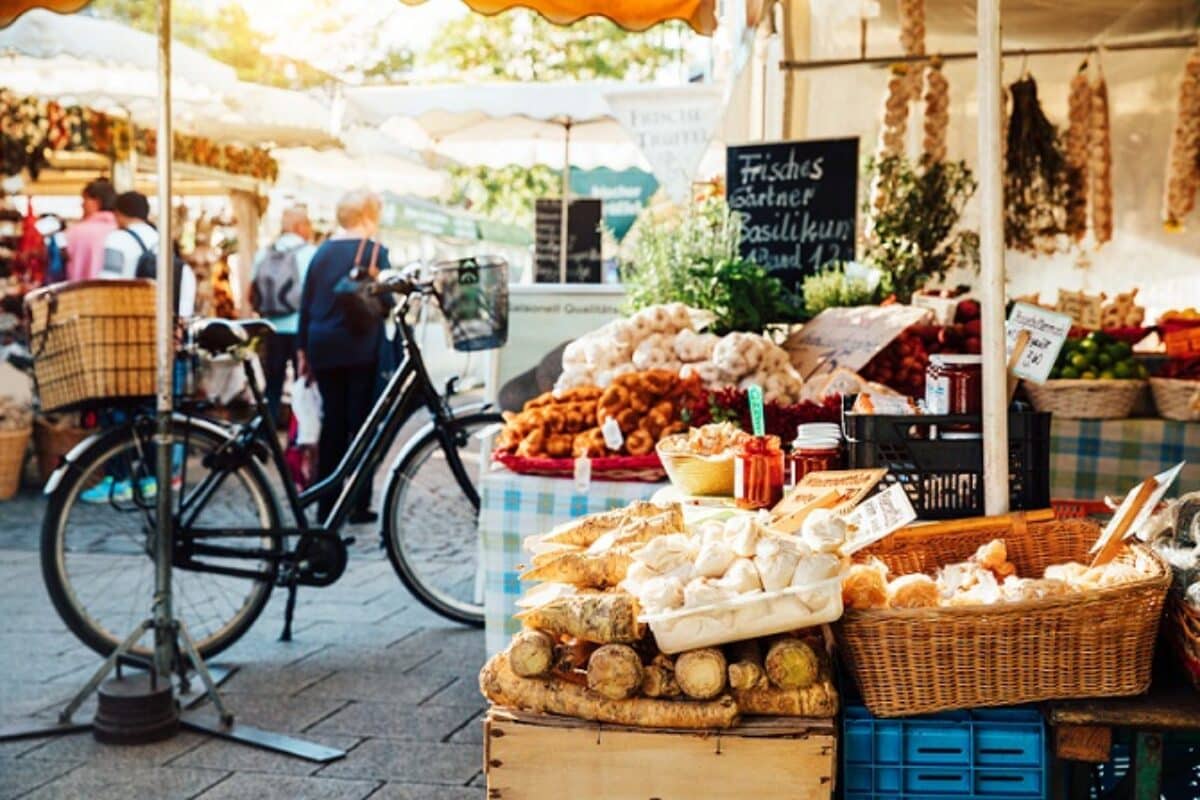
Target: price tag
1046, 332
613, 438
583, 474
878, 517
944, 308
1083, 309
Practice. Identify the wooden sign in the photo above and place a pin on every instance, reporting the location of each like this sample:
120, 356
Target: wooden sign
849, 337
798, 201
1045, 332
1183, 343
583, 240
1084, 309
1132, 514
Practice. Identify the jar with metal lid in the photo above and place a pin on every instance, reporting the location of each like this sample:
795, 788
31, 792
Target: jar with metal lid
954, 384
817, 448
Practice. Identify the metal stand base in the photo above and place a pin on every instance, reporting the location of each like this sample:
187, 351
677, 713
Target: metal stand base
135, 709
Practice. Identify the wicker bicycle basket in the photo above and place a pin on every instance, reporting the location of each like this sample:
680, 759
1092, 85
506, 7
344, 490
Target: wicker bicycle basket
1087, 644
1084, 399
93, 342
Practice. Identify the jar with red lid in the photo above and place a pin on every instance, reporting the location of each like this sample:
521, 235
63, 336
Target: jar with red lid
758, 473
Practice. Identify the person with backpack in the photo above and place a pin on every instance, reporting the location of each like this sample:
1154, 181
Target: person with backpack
131, 251
276, 282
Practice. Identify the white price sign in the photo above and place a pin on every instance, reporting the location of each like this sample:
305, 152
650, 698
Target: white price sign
1045, 332
878, 517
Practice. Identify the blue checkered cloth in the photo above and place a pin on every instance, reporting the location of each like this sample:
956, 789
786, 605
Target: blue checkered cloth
1091, 458
515, 506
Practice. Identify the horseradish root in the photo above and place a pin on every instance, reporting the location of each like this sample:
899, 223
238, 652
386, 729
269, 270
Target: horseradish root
614, 671
601, 618
745, 665
791, 664
531, 653
701, 673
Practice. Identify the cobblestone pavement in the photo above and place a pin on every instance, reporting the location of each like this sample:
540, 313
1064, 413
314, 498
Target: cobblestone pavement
369, 670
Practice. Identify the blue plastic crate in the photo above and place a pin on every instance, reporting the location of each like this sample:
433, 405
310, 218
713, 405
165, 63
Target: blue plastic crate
987, 754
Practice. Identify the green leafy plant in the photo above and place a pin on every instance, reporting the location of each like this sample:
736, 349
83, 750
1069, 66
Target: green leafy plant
833, 288
693, 258
913, 233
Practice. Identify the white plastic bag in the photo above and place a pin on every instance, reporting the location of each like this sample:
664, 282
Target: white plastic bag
306, 406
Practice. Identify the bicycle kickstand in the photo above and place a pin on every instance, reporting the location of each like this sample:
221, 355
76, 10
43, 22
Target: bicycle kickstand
289, 610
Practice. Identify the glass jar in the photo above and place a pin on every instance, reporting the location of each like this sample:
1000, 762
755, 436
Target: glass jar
817, 448
758, 473
954, 384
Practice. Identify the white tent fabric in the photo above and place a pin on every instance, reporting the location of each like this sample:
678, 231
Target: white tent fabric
110, 66
334, 172
1142, 88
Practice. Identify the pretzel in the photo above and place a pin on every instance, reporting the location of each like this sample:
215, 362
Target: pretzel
639, 443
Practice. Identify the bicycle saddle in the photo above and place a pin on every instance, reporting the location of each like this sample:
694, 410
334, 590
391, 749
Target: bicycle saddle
220, 336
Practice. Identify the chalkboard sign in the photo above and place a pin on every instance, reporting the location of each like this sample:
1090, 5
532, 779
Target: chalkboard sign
583, 240
798, 200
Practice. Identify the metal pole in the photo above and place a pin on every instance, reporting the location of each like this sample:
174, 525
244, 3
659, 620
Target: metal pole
566, 203
991, 252
164, 638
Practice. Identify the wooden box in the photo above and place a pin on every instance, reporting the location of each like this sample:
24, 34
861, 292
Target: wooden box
538, 757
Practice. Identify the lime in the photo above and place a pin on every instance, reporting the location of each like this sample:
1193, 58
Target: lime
1104, 359
1088, 375
1107, 375
1142, 372
1080, 361
1069, 373
1121, 350
1089, 345
1124, 370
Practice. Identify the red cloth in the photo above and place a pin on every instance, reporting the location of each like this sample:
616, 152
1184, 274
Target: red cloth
85, 245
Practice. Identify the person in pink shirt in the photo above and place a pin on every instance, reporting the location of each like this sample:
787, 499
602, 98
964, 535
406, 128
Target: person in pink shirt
85, 239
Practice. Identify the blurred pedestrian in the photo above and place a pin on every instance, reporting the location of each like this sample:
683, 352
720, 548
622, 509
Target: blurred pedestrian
335, 350
85, 239
130, 251
276, 283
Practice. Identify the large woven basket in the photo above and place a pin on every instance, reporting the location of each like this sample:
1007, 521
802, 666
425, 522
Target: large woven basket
13, 444
1183, 631
53, 439
93, 342
1177, 399
1088, 644
1082, 399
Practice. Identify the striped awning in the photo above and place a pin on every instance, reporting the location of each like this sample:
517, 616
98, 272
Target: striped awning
632, 15
11, 9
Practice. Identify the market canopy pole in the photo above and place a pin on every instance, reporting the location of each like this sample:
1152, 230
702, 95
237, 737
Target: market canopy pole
566, 203
991, 254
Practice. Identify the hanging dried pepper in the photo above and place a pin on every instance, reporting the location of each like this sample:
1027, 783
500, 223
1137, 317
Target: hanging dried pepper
1183, 169
1035, 176
1079, 111
1100, 163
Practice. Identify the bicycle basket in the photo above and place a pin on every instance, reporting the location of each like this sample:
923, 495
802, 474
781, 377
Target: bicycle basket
473, 293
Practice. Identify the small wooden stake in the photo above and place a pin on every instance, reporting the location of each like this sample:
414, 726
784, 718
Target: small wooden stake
1018, 351
1112, 541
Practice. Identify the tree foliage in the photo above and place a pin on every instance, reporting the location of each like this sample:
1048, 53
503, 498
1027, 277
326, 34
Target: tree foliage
523, 46
508, 193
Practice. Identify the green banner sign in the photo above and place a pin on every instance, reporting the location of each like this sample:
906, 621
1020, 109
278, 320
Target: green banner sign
624, 194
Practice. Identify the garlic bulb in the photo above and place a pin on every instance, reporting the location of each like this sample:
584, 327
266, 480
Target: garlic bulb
1100, 163
1079, 116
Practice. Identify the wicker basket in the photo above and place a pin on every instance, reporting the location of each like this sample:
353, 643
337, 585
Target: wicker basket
645, 468
1088, 644
1083, 399
52, 442
1177, 399
13, 444
695, 475
1183, 631
92, 341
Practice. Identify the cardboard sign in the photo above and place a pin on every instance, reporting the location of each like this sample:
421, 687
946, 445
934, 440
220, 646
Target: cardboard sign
1183, 343
944, 308
850, 486
583, 240
874, 519
849, 337
1133, 513
1047, 331
798, 202
1084, 309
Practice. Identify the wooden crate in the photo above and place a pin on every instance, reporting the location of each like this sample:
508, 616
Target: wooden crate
539, 757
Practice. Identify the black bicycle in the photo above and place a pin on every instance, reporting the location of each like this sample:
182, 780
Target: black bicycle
231, 548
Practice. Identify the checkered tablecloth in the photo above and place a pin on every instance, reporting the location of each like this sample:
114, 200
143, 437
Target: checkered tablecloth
1093, 458
515, 506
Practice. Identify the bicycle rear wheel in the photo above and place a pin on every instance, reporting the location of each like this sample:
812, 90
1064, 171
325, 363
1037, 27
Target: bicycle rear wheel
431, 522
98, 540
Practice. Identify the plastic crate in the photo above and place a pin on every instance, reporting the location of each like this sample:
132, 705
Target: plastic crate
943, 475
998, 754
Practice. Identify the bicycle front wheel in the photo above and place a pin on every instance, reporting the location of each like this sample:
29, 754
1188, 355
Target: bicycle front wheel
98, 539
431, 521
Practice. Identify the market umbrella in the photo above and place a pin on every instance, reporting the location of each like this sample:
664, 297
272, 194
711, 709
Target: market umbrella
633, 15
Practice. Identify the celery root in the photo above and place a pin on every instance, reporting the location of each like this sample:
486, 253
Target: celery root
791, 664
701, 673
614, 671
601, 618
531, 653
503, 687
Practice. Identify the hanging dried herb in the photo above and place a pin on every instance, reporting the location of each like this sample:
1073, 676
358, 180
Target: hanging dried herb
1035, 176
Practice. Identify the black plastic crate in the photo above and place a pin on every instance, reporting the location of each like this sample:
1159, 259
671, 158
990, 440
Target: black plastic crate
944, 476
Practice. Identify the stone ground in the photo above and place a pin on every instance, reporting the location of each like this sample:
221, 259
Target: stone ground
369, 671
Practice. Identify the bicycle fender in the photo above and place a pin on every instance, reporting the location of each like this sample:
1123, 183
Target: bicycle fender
423, 433
71, 457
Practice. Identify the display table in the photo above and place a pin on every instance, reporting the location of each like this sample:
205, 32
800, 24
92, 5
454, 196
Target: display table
515, 506
1093, 458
